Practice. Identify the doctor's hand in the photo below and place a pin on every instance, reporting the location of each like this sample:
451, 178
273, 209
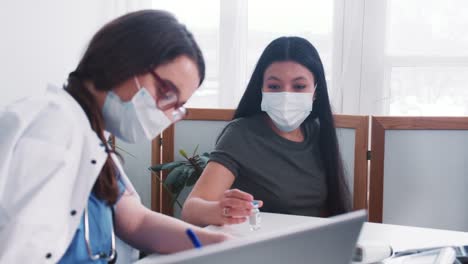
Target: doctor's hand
235, 206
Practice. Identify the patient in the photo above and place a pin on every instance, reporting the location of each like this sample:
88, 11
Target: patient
281, 148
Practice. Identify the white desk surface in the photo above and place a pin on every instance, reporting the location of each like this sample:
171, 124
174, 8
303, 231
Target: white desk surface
399, 237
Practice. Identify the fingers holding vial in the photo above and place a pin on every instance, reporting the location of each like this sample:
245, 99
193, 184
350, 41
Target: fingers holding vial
238, 206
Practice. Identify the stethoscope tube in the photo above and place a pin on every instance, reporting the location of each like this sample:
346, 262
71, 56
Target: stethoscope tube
102, 255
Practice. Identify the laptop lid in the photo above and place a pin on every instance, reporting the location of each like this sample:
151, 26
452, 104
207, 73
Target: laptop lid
330, 242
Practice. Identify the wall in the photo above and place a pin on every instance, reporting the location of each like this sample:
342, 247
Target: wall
42, 41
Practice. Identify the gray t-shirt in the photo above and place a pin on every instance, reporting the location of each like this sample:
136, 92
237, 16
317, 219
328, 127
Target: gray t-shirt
288, 176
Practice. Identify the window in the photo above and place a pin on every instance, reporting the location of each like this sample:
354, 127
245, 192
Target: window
202, 18
232, 34
425, 58
388, 57
310, 19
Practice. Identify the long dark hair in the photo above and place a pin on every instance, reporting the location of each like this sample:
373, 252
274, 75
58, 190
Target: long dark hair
301, 51
130, 45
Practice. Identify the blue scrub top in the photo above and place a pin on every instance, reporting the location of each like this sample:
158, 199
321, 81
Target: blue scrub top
100, 228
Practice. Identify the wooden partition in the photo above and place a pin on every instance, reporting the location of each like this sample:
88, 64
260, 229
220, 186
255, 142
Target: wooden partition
156, 187
355, 129
419, 171
360, 125
168, 151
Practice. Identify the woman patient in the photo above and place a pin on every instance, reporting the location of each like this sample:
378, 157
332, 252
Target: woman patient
281, 147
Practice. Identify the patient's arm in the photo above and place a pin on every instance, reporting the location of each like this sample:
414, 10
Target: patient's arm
211, 195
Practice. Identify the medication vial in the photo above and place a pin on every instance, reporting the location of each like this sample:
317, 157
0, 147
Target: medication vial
255, 218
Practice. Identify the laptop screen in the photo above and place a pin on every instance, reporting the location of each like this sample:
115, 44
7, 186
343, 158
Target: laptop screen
324, 242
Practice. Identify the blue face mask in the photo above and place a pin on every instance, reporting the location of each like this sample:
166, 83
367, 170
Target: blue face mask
135, 119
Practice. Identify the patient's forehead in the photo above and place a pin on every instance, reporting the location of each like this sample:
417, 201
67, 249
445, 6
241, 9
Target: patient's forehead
288, 71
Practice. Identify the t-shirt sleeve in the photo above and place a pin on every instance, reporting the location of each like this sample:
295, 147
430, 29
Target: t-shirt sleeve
228, 149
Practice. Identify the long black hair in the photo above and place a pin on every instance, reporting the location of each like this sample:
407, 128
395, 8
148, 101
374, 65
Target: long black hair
301, 51
130, 45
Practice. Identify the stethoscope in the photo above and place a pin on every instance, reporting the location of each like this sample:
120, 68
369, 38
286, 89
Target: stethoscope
106, 256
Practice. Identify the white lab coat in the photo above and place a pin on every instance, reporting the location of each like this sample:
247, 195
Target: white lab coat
49, 160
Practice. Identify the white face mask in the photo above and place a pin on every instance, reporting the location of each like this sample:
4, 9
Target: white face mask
137, 118
287, 110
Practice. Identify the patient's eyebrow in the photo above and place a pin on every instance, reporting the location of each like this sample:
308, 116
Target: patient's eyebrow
273, 78
278, 79
299, 78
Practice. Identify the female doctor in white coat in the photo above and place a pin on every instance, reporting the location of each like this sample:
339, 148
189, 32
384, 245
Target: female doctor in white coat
62, 190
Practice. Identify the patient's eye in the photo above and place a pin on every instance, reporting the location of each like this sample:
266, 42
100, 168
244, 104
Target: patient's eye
274, 86
300, 86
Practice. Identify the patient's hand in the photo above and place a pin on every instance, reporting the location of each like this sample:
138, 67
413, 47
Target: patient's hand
235, 206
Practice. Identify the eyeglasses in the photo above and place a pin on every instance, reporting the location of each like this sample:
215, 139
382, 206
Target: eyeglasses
107, 256
167, 97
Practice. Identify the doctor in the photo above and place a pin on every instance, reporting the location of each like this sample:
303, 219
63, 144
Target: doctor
63, 194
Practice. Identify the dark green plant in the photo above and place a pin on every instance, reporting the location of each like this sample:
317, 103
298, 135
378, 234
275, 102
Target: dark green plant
181, 173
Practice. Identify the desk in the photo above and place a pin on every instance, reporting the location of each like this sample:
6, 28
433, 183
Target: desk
399, 237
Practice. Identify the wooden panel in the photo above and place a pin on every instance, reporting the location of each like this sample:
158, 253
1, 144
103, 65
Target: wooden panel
379, 126
426, 123
350, 121
167, 156
155, 184
376, 171
361, 126
209, 114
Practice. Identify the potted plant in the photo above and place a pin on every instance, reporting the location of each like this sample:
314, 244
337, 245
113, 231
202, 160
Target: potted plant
181, 174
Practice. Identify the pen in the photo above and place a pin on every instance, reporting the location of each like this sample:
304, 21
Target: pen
195, 241
414, 251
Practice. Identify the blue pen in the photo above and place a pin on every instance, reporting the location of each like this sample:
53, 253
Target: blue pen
195, 241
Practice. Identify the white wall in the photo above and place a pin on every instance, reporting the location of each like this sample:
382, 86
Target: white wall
42, 41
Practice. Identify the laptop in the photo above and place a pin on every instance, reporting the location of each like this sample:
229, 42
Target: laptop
329, 242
